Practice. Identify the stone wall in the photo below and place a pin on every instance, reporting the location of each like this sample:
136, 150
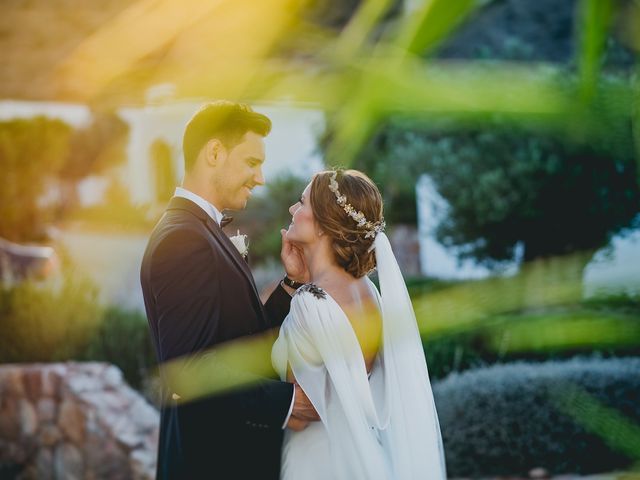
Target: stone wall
74, 421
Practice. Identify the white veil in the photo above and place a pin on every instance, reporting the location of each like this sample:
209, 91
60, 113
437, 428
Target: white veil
413, 438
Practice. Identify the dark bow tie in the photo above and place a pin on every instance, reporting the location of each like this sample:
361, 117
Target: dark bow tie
226, 220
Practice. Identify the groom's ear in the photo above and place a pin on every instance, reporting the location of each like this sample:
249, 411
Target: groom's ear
214, 152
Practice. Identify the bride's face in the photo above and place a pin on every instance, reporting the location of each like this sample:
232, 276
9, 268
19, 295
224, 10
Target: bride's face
303, 227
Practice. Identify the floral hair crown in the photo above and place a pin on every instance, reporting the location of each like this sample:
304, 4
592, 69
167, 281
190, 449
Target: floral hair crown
372, 228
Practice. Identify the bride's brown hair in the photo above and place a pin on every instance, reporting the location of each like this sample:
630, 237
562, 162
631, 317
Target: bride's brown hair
351, 249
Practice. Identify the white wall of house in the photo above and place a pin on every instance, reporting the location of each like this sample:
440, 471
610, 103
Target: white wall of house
146, 125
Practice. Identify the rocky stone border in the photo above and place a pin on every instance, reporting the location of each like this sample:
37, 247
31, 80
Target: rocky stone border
75, 421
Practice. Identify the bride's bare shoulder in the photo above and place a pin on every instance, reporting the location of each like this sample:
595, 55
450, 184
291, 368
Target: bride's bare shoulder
351, 295
359, 303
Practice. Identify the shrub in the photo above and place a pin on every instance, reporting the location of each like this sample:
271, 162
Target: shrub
56, 322
508, 419
123, 339
608, 326
455, 353
47, 322
32, 152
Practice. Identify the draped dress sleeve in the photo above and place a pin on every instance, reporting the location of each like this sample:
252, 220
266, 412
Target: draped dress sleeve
319, 345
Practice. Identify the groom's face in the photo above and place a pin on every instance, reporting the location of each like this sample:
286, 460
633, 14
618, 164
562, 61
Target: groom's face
239, 171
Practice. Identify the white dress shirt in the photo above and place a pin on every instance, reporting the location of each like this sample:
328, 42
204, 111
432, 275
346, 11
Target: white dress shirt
215, 214
212, 211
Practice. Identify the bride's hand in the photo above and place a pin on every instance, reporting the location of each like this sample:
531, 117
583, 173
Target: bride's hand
293, 260
296, 424
302, 407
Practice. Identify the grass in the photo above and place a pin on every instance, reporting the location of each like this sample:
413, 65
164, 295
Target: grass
573, 328
479, 323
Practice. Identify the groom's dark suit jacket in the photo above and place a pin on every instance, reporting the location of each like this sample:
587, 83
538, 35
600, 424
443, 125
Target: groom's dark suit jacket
199, 293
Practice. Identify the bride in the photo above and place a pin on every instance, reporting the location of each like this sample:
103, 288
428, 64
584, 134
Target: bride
355, 352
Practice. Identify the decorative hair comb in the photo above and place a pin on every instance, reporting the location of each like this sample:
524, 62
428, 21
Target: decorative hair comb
371, 228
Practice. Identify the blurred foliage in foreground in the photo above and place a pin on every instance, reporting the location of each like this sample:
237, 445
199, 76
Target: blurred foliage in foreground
609, 327
539, 313
370, 74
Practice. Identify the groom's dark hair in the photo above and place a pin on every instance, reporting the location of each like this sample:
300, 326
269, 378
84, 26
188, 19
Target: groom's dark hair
227, 121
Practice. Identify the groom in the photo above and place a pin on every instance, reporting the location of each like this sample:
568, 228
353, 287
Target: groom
199, 293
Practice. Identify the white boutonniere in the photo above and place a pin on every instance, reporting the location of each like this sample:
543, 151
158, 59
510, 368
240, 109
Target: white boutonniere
241, 243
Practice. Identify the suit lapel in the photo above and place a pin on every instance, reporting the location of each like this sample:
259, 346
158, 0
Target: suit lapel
231, 250
222, 239
240, 262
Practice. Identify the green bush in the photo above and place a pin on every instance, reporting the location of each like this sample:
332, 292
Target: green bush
123, 339
455, 353
57, 322
608, 326
48, 322
32, 151
508, 419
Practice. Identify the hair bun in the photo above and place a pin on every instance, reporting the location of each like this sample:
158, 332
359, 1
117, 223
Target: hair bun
351, 245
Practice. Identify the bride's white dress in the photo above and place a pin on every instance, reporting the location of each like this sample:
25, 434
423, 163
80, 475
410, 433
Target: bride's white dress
380, 427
